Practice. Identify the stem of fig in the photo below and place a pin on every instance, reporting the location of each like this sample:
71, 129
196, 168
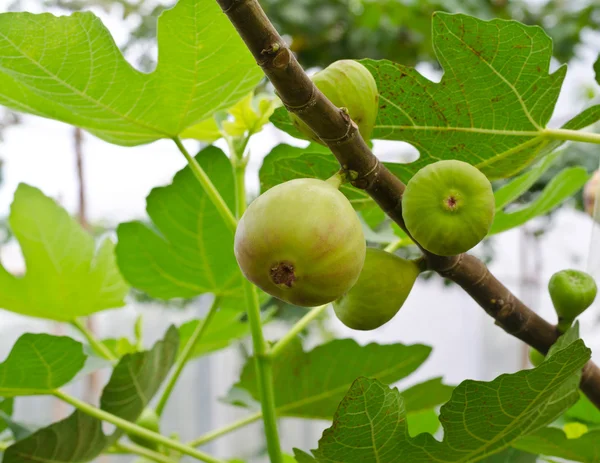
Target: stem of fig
394, 246
262, 358
337, 179
208, 187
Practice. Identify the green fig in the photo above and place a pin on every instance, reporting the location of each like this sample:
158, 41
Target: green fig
448, 207
347, 84
148, 420
382, 287
571, 291
536, 357
302, 242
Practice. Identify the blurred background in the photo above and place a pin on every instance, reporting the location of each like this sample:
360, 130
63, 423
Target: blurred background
104, 185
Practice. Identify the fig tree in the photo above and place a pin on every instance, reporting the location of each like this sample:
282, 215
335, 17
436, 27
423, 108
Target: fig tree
571, 291
382, 287
448, 207
347, 84
148, 420
302, 242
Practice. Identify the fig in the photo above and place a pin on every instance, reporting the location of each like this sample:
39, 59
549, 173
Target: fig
590, 192
382, 287
571, 291
347, 84
301, 242
148, 420
448, 207
536, 357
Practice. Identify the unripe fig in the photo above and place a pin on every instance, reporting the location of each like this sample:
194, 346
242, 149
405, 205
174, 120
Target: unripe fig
347, 84
302, 242
589, 193
381, 289
536, 357
148, 420
571, 291
448, 207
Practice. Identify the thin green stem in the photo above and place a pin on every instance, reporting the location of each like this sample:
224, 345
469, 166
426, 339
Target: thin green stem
337, 179
186, 355
296, 329
262, 359
134, 429
210, 436
208, 186
394, 246
572, 135
100, 348
131, 449
5, 445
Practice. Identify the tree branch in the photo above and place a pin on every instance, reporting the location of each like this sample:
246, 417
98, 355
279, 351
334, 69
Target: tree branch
334, 127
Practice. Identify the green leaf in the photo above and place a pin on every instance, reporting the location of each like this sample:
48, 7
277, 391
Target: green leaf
562, 186
69, 68
553, 442
226, 326
40, 363
481, 418
18, 429
66, 277
6, 407
188, 249
79, 438
597, 69
511, 456
311, 384
120, 347
422, 421
420, 401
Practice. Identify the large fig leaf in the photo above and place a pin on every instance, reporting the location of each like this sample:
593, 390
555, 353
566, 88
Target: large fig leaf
481, 418
66, 276
80, 438
553, 442
311, 384
188, 250
40, 363
69, 68
490, 108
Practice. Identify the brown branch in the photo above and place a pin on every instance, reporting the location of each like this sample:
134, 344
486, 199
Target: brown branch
334, 127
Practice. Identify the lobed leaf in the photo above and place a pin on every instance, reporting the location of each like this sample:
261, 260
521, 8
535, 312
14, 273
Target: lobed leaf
66, 276
69, 68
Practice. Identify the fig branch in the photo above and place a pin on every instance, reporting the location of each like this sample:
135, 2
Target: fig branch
335, 128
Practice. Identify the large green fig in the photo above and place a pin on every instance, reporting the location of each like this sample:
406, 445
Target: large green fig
571, 291
448, 207
347, 84
302, 242
384, 284
148, 420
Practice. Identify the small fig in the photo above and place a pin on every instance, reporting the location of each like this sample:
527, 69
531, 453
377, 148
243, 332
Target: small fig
590, 191
536, 357
448, 207
302, 242
347, 84
148, 420
382, 287
571, 291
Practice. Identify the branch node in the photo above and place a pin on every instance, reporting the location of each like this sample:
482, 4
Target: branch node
305, 106
367, 179
230, 5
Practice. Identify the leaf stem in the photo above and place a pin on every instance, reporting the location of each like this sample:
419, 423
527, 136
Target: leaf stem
132, 428
208, 187
262, 358
394, 246
212, 435
124, 448
185, 356
97, 345
572, 135
296, 329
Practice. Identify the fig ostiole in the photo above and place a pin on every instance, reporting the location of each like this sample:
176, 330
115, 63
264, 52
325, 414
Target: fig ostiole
349, 85
302, 242
572, 292
149, 420
448, 207
382, 288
